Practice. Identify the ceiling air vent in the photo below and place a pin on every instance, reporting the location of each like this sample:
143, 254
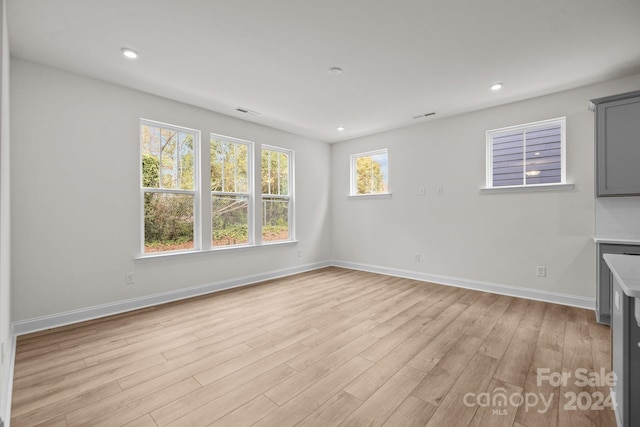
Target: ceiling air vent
423, 115
247, 111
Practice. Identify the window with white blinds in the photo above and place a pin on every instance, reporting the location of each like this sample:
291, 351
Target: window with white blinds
532, 154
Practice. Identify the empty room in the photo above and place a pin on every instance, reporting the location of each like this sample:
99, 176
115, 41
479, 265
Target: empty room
320, 213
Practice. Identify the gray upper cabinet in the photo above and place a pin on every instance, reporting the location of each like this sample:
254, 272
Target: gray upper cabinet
618, 145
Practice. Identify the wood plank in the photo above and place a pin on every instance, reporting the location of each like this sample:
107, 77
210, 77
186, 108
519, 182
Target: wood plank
514, 366
373, 378
413, 412
183, 406
304, 379
541, 415
437, 383
375, 410
499, 413
474, 379
315, 396
332, 412
228, 402
247, 414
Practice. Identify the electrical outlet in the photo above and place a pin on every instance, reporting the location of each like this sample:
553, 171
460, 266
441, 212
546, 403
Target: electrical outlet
541, 271
299, 253
128, 279
416, 257
440, 191
422, 191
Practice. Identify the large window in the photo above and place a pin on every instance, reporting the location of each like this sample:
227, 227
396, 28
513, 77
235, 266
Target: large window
197, 198
532, 154
231, 182
277, 205
169, 186
370, 173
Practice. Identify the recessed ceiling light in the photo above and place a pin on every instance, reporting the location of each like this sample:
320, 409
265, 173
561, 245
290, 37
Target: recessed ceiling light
340, 128
129, 53
334, 71
496, 86
532, 173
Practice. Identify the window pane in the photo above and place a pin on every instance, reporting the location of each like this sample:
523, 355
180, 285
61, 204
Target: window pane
507, 159
528, 154
371, 173
275, 172
167, 158
229, 166
544, 156
229, 216
275, 219
168, 222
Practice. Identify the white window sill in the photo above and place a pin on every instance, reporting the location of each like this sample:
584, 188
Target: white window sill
156, 256
527, 188
369, 196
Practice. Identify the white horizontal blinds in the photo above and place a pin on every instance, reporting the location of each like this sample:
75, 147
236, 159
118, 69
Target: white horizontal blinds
527, 156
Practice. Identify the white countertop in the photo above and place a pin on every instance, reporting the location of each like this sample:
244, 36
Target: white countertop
616, 240
626, 269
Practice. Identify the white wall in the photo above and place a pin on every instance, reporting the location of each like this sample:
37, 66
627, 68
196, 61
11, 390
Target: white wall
463, 234
618, 217
5, 225
75, 195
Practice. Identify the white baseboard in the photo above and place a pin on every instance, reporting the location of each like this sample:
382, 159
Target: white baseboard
527, 293
75, 316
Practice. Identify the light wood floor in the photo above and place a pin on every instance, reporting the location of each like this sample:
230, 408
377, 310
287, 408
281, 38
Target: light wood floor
328, 347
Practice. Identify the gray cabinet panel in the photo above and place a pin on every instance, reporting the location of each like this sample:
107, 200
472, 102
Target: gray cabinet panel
618, 145
625, 357
603, 290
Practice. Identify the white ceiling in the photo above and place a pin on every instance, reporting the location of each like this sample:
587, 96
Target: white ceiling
400, 58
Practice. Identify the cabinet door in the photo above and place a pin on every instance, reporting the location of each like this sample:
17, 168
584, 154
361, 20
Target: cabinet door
618, 147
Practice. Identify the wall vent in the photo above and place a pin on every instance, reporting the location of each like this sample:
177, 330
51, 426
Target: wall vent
423, 115
247, 111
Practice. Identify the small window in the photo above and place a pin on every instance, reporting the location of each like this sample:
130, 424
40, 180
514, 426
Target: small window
532, 154
277, 201
370, 173
169, 187
230, 191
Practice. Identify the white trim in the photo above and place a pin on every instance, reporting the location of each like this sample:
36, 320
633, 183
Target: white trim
352, 172
177, 254
75, 316
528, 188
5, 405
527, 293
196, 192
290, 196
492, 133
369, 196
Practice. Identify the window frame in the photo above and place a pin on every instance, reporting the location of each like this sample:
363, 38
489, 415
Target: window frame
353, 185
202, 194
492, 133
290, 197
250, 194
197, 218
